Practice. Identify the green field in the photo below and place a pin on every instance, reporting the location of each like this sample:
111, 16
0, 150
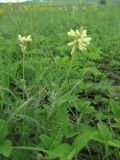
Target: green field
54, 105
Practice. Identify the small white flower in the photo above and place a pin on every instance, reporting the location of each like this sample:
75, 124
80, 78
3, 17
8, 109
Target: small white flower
28, 38
80, 39
23, 41
71, 33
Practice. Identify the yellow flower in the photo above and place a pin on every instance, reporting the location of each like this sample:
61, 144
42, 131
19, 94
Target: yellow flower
80, 39
23, 42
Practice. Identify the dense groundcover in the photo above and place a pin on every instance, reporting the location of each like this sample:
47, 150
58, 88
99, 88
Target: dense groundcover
54, 105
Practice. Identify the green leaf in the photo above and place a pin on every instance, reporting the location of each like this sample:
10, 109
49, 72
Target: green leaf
84, 107
115, 109
6, 148
46, 141
91, 70
79, 143
59, 125
114, 143
104, 131
98, 137
61, 151
3, 129
85, 85
94, 55
58, 128
103, 135
16, 154
116, 125
71, 131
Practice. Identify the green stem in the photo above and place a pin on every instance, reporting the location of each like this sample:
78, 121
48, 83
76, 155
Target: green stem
23, 73
68, 73
106, 152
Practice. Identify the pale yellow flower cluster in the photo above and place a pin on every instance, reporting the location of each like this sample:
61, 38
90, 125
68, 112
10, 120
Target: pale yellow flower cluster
80, 39
23, 42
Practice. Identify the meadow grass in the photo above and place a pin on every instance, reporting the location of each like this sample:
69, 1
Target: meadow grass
67, 112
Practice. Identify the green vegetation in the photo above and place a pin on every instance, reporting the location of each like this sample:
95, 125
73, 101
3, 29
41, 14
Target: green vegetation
54, 106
